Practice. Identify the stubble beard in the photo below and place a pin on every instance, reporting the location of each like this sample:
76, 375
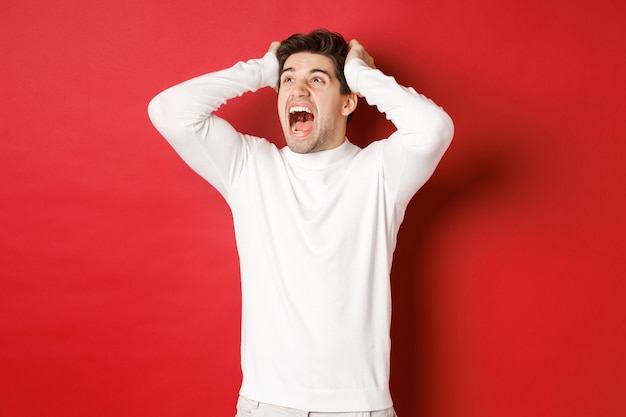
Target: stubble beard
312, 143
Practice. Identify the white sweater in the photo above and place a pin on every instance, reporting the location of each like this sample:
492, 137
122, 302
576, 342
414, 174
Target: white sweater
315, 233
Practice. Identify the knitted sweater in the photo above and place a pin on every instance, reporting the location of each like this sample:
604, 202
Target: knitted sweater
315, 233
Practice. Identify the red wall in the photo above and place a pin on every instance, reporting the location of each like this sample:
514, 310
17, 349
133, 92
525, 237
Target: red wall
119, 286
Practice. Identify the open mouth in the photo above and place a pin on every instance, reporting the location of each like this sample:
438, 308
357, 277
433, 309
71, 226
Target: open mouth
301, 120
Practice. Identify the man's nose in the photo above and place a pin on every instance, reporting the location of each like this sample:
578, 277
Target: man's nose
300, 89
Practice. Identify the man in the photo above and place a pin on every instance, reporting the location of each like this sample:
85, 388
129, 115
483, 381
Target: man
315, 222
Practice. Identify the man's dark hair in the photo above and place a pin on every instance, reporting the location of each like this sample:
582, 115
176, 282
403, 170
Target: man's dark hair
322, 42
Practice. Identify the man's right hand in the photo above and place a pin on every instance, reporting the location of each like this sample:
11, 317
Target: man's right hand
274, 47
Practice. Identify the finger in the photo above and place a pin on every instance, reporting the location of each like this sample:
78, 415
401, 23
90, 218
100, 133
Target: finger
354, 44
274, 47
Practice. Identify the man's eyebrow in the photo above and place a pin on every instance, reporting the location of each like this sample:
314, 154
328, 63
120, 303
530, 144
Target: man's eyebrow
313, 71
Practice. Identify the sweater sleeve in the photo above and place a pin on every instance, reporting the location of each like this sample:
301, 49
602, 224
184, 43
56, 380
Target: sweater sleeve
424, 130
207, 143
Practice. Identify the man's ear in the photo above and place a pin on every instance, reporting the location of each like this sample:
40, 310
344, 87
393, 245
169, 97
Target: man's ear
349, 105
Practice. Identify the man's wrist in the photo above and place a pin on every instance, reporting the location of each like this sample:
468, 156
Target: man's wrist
351, 71
269, 67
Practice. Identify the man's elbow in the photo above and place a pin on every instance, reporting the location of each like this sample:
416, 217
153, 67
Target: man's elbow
156, 111
446, 129
439, 132
164, 113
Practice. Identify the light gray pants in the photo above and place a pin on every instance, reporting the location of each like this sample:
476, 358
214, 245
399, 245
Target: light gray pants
250, 408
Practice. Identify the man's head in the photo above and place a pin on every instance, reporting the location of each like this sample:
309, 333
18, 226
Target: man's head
329, 44
314, 100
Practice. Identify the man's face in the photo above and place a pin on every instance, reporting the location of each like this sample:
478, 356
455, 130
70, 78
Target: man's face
311, 109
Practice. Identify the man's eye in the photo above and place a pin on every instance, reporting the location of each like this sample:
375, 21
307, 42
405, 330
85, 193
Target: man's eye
317, 80
287, 80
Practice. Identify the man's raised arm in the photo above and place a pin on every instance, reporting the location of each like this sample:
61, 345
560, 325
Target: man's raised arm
424, 130
183, 115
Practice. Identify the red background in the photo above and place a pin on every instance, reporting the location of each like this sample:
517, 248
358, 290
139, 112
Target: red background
119, 277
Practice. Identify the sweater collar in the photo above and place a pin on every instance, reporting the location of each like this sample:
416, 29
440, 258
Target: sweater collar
322, 159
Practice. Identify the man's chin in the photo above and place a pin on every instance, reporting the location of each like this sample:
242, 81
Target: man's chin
299, 146
299, 142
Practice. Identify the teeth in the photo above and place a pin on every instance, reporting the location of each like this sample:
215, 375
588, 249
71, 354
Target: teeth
296, 109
